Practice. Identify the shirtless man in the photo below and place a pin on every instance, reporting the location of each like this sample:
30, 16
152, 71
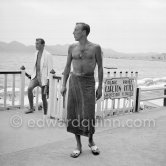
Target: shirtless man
84, 56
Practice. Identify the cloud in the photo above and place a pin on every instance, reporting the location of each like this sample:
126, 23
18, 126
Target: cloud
153, 4
113, 23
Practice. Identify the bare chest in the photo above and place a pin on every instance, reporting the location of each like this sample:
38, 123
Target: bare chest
38, 60
87, 53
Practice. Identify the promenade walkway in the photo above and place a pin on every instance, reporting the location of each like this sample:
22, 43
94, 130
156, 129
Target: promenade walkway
130, 144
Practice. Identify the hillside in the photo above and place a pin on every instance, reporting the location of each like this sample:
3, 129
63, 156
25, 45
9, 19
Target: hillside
61, 50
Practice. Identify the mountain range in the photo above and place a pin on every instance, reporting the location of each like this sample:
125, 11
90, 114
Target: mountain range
61, 50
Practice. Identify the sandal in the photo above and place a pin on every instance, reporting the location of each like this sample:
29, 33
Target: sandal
75, 153
94, 149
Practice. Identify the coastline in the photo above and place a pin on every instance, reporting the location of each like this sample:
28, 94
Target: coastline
157, 60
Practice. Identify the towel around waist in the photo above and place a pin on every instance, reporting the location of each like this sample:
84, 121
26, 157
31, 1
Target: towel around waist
83, 74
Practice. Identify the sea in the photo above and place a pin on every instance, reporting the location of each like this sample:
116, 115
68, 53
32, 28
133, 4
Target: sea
150, 73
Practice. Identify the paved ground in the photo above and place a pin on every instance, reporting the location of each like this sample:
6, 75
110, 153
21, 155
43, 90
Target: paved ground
131, 144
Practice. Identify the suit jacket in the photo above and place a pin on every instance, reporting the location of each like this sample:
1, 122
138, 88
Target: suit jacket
46, 65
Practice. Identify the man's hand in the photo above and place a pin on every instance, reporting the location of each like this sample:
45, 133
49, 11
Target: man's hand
98, 93
28, 75
47, 82
45, 89
63, 91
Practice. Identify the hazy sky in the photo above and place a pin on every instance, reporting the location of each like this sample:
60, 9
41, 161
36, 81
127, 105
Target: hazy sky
122, 25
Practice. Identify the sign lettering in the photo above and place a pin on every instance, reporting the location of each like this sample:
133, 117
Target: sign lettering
119, 88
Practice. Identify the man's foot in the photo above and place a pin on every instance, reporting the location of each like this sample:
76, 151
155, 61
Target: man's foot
52, 117
40, 107
45, 117
75, 153
94, 149
29, 111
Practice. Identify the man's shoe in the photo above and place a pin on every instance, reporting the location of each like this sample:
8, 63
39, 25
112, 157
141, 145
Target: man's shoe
94, 149
45, 117
75, 153
29, 111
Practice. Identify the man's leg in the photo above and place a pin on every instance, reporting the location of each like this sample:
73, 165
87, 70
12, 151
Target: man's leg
78, 139
78, 150
44, 99
95, 150
91, 142
33, 83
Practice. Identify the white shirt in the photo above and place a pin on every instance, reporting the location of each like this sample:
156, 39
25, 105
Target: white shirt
46, 65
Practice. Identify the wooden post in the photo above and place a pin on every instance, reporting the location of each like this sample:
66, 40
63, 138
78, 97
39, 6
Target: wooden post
106, 100
51, 93
66, 100
37, 98
126, 74
13, 90
164, 98
62, 102
132, 75
114, 73
22, 87
113, 100
118, 106
5, 90
55, 112
124, 99
136, 77
135, 93
108, 74
137, 100
59, 108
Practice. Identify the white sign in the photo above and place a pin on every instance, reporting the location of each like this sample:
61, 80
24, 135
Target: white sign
119, 88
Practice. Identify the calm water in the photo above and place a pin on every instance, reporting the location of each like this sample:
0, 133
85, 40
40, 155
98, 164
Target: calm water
146, 69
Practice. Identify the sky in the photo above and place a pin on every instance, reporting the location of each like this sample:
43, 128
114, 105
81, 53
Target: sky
122, 25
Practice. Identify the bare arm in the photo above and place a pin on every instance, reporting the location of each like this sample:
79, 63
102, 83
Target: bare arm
67, 67
99, 61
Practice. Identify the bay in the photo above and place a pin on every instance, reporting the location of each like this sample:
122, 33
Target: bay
145, 69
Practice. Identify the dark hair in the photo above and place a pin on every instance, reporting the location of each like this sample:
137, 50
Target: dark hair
85, 27
41, 40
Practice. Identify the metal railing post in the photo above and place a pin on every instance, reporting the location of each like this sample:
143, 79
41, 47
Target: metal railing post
22, 87
5, 91
51, 93
13, 90
37, 98
137, 100
164, 104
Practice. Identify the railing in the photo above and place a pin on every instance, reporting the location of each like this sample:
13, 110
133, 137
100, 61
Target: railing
10, 93
104, 107
13, 89
116, 106
57, 104
153, 96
